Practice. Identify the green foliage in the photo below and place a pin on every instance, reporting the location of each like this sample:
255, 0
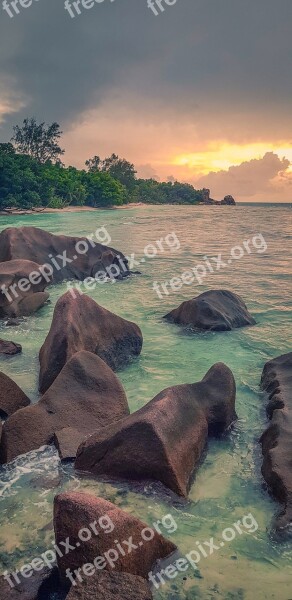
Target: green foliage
119, 168
150, 191
25, 182
104, 190
31, 175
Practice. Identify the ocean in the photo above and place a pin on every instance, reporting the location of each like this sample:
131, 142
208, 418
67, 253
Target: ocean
254, 244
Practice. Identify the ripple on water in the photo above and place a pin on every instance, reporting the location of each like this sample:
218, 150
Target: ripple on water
228, 484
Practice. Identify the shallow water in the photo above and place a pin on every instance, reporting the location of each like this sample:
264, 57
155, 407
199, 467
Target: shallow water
229, 483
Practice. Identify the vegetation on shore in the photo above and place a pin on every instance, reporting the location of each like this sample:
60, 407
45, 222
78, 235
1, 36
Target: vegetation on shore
33, 175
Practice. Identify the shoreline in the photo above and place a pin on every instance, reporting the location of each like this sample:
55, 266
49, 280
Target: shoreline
68, 209
76, 209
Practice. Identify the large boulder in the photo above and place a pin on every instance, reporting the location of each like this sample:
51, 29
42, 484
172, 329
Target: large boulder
12, 398
165, 439
277, 439
111, 586
69, 257
22, 285
9, 348
105, 544
86, 395
79, 323
215, 310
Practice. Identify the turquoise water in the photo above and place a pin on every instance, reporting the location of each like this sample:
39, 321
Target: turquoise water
229, 483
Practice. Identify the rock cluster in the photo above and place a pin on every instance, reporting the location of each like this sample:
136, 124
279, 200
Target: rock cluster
79, 323
277, 439
31, 258
85, 396
227, 200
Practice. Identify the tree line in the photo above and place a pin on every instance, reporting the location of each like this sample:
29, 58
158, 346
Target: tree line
32, 175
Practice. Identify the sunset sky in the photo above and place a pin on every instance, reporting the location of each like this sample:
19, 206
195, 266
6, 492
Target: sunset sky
200, 93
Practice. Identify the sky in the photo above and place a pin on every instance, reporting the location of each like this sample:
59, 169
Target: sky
200, 92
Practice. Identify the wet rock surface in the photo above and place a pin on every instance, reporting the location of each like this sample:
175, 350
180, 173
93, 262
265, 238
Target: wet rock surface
165, 439
74, 511
79, 323
215, 310
277, 439
86, 395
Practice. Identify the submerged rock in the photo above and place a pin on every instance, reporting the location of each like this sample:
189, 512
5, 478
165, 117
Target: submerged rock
22, 286
69, 257
111, 586
27, 589
86, 395
277, 439
75, 511
12, 398
165, 439
9, 348
79, 323
215, 310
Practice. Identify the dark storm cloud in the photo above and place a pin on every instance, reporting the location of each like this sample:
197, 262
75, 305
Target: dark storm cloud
223, 57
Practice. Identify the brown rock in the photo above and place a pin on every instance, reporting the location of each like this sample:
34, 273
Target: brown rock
74, 511
32, 303
111, 586
67, 442
28, 589
277, 439
12, 398
86, 395
9, 348
39, 246
79, 323
228, 200
14, 278
165, 439
216, 310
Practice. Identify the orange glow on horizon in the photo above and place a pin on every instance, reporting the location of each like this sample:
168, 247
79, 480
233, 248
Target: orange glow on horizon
221, 156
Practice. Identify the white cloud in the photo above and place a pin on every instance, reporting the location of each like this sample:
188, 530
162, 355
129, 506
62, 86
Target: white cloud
252, 180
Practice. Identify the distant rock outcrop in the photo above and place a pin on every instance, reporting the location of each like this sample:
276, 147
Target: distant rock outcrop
79, 323
227, 200
165, 439
215, 310
277, 439
86, 396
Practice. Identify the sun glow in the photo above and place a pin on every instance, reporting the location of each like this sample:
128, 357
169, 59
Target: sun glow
218, 156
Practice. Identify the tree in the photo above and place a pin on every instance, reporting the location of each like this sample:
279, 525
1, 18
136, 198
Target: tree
40, 141
19, 179
94, 164
103, 190
119, 168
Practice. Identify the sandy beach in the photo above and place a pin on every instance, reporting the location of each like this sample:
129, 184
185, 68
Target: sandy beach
67, 209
